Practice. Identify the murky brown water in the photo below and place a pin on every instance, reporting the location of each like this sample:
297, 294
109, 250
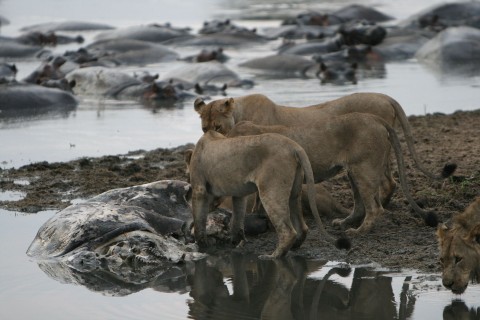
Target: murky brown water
235, 287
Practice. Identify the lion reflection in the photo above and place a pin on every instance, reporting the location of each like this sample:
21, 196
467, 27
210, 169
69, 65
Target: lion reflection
282, 289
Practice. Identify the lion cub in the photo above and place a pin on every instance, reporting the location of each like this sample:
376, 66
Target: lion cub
270, 164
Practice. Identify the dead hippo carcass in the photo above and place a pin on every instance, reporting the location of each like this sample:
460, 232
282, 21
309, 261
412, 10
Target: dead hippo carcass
127, 227
140, 224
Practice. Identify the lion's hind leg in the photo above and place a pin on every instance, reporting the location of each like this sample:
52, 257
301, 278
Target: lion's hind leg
358, 213
388, 186
296, 212
276, 205
368, 185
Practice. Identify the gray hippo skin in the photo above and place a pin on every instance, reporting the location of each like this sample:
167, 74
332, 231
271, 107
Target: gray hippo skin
132, 52
285, 64
152, 33
67, 26
141, 224
128, 228
454, 50
15, 97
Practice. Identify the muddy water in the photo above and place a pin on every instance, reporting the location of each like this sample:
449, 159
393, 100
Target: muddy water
237, 287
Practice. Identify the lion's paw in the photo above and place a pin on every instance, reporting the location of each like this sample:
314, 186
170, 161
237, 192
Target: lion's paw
338, 223
352, 232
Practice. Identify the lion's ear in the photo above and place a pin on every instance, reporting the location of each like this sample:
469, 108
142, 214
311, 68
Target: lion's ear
441, 232
474, 234
199, 104
228, 106
187, 156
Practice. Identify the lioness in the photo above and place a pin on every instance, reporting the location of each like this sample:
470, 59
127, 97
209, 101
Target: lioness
240, 166
327, 206
221, 115
358, 142
460, 249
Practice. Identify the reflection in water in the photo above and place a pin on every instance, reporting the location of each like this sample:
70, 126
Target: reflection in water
281, 289
120, 280
242, 286
24, 114
458, 310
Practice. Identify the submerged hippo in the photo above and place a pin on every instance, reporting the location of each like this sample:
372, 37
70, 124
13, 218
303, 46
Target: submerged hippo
67, 26
103, 82
8, 72
285, 64
143, 224
15, 97
454, 50
444, 15
210, 72
132, 51
152, 33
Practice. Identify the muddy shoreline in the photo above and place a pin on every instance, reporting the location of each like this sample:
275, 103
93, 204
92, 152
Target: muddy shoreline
398, 240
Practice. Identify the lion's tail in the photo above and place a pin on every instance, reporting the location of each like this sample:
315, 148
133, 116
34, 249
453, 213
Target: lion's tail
430, 218
447, 170
342, 242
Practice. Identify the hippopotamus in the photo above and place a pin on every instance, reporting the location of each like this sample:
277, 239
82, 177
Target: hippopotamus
220, 39
67, 26
357, 53
223, 26
132, 52
454, 50
207, 55
8, 72
36, 38
48, 70
15, 50
287, 64
221, 34
143, 224
362, 32
19, 98
401, 44
108, 83
337, 73
342, 15
294, 31
441, 16
359, 12
330, 44
152, 33
211, 72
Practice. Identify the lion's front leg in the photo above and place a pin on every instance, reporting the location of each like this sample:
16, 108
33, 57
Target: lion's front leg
237, 233
201, 201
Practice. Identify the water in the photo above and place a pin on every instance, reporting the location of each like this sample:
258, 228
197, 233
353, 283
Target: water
241, 287
99, 128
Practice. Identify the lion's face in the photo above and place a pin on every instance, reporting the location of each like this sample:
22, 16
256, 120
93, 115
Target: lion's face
217, 115
460, 250
460, 258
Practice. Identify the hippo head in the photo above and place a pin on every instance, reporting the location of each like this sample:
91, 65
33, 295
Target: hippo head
337, 73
